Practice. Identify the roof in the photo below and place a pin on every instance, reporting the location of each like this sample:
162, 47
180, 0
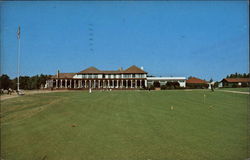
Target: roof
166, 78
90, 70
64, 75
93, 70
196, 81
134, 69
236, 80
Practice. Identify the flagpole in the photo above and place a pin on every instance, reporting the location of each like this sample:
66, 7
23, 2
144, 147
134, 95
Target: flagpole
18, 59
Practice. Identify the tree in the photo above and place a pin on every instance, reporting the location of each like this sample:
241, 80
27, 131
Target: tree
33, 82
238, 75
5, 82
156, 84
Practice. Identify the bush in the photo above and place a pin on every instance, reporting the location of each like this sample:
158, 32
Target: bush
151, 87
234, 85
156, 84
172, 85
163, 87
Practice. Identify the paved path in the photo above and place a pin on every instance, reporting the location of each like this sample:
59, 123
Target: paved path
234, 91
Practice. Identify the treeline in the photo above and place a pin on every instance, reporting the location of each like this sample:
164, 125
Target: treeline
26, 82
238, 75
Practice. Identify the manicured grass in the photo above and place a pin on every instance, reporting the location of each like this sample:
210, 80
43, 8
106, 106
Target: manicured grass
125, 125
246, 89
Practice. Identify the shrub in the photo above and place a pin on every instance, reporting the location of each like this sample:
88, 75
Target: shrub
163, 87
234, 85
156, 84
172, 85
151, 87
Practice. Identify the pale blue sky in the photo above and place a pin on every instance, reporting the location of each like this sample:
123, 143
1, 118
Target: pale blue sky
207, 39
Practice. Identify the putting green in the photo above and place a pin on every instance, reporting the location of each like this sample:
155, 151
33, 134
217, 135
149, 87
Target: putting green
125, 125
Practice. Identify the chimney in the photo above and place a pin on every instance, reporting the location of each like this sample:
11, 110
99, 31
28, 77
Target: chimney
58, 73
142, 68
120, 69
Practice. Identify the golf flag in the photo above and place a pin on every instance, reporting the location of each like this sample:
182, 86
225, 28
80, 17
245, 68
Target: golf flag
18, 32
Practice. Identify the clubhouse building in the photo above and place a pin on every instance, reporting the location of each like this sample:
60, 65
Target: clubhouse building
130, 78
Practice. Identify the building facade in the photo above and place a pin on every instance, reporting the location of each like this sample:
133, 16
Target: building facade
235, 82
131, 78
165, 80
194, 82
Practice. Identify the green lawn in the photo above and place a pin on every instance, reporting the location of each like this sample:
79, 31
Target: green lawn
125, 125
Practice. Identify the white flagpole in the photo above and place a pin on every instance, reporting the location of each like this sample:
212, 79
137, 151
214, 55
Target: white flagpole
18, 60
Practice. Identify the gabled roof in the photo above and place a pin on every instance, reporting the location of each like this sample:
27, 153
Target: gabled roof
93, 70
90, 70
64, 75
236, 80
134, 69
196, 81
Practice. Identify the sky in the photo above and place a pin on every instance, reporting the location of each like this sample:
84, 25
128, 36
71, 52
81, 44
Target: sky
205, 39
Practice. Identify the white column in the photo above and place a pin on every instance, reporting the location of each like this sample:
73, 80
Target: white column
74, 83
51, 83
108, 83
121, 84
65, 83
145, 83
117, 84
99, 84
131, 84
85, 84
70, 84
46, 84
61, 84
56, 83
94, 84
140, 84
103, 83
113, 84
126, 83
135, 83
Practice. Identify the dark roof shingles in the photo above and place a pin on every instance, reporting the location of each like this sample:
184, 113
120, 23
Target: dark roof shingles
195, 80
64, 75
237, 79
132, 69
